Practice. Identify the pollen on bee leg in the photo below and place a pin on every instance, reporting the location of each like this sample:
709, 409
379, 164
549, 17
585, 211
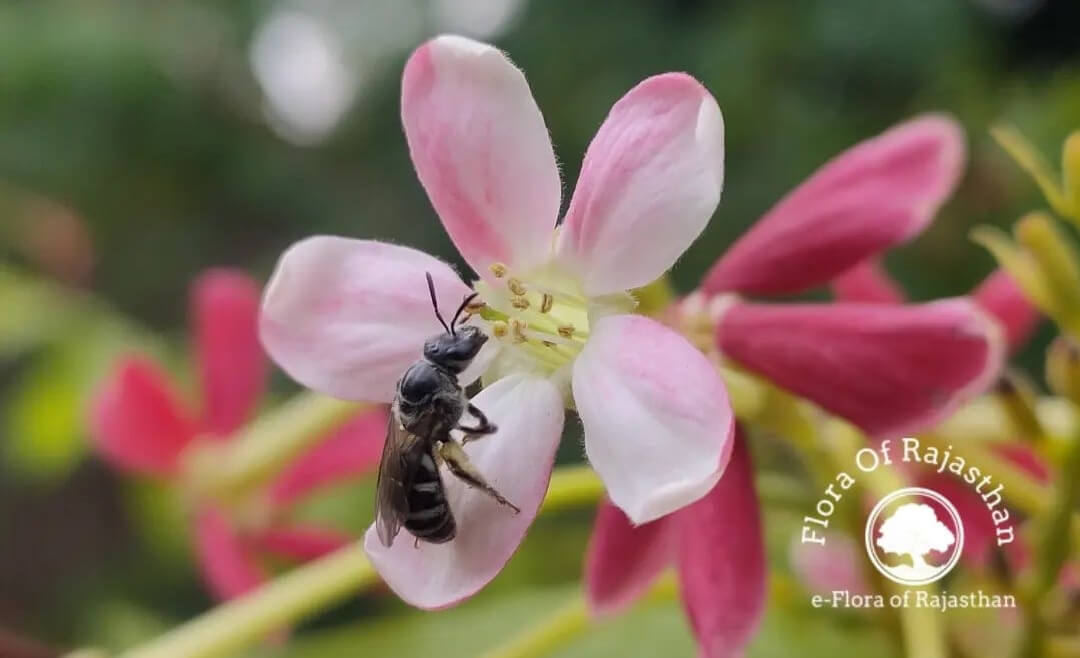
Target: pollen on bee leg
499, 329
498, 269
516, 287
519, 303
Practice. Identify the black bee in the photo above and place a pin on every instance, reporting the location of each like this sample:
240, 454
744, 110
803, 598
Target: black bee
429, 404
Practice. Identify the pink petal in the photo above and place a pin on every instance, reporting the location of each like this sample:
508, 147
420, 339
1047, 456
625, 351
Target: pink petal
482, 152
517, 461
650, 182
347, 317
226, 560
1001, 297
836, 565
302, 542
232, 367
353, 450
879, 193
137, 422
622, 559
867, 282
721, 560
657, 420
889, 369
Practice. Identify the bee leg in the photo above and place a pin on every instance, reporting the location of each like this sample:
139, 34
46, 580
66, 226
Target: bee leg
458, 463
484, 427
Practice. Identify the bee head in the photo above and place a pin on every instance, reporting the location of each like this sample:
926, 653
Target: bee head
455, 351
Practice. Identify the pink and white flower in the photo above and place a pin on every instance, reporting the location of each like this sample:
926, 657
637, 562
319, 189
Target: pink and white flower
141, 426
348, 316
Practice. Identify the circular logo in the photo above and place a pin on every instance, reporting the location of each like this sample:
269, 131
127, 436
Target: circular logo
914, 536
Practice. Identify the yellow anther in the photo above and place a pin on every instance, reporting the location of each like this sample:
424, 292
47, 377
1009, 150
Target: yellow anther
498, 269
519, 303
546, 302
499, 328
566, 331
518, 329
516, 287
548, 343
475, 306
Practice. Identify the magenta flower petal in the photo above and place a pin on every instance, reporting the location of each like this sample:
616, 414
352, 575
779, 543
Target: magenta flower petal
301, 542
622, 559
232, 366
351, 451
650, 181
1000, 295
888, 369
347, 317
482, 152
657, 420
867, 282
226, 560
721, 560
517, 461
137, 422
879, 193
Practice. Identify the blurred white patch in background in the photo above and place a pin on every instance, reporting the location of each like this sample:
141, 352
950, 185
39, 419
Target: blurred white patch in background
314, 58
298, 61
480, 19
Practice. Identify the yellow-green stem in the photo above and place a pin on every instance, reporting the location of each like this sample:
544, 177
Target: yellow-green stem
267, 445
280, 603
568, 623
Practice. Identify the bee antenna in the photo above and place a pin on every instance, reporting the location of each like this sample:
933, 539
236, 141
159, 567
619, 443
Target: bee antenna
464, 303
435, 303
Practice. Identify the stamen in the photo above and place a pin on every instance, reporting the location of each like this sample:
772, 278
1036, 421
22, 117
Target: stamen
519, 303
498, 269
475, 306
516, 286
499, 329
566, 330
518, 328
546, 302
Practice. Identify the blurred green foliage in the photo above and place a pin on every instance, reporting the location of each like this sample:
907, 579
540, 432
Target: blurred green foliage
147, 122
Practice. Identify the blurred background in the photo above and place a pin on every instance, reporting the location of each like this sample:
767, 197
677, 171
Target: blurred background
143, 142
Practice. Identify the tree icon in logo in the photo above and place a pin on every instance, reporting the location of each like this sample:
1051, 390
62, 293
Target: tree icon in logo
911, 527
915, 530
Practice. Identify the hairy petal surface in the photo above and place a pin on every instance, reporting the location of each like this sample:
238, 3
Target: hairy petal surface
622, 559
1002, 297
517, 461
348, 317
226, 560
879, 193
137, 422
482, 152
888, 369
232, 366
867, 282
352, 450
721, 560
651, 180
657, 420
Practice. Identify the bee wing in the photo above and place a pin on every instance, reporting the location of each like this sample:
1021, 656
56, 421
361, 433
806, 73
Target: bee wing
392, 502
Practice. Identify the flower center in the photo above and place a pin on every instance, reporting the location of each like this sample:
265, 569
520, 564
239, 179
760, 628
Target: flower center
542, 316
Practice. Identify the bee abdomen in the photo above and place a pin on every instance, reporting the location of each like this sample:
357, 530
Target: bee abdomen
429, 517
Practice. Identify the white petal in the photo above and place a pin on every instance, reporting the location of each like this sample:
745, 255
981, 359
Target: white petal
658, 425
347, 317
517, 461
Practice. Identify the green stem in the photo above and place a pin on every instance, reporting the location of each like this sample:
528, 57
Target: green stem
570, 622
267, 445
238, 624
